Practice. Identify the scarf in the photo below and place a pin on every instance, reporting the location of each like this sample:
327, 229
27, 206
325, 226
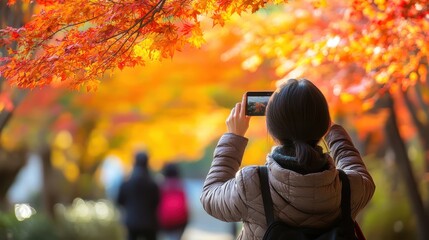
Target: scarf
285, 157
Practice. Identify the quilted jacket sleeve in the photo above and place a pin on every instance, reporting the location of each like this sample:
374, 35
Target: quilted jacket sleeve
223, 196
348, 158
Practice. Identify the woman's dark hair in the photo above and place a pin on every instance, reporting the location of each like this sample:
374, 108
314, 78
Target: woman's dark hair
297, 115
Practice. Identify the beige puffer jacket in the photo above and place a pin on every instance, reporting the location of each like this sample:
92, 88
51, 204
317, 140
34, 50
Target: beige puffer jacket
311, 200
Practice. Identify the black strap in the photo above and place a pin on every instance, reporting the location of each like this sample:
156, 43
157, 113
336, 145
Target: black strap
268, 202
266, 194
346, 212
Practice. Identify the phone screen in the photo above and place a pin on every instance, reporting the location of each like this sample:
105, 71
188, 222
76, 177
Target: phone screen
256, 102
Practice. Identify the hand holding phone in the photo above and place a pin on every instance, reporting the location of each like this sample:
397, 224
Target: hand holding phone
256, 102
237, 121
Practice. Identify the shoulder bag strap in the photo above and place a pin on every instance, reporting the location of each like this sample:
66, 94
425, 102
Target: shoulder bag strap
266, 194
345, 194
268, 202
346, 213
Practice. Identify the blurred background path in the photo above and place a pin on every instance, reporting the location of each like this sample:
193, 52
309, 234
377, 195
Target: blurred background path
203, 226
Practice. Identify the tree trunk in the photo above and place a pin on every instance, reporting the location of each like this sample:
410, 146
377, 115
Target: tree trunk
48, 195
12, 16
10, 164
419, 112
404, 166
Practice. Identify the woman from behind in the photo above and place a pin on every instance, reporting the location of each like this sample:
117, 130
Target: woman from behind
173, 210
304, 182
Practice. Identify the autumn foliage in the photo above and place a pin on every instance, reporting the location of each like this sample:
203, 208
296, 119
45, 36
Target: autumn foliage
362, 48
355, 50
73, 43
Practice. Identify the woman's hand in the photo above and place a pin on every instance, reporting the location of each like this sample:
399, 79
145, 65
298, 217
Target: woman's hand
237, 121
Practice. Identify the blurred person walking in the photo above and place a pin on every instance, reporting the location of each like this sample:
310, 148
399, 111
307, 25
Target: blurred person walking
173, 211
139, 196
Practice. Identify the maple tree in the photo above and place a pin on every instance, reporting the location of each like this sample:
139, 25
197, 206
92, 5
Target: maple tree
9, 18
42, 118
175, 117
11, 159
190, 105
76, 42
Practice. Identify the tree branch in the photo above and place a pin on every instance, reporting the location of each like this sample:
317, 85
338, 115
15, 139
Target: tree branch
141, 23
64, 28
419, 94
413, 112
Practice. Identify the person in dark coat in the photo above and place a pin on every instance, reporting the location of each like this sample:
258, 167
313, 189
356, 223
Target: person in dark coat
139, 196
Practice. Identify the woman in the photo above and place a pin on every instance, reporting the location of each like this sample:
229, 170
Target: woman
304, 183
173, 211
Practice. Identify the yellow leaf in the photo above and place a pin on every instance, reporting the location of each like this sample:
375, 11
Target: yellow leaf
197, 38
145, 51
392, 68
380, 2
382, 78
319, 3
413, 77
346, 97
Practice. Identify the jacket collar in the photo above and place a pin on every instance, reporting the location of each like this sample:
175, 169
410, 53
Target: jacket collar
285, 157
286, 176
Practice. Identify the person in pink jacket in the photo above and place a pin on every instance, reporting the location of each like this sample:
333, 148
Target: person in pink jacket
304, 183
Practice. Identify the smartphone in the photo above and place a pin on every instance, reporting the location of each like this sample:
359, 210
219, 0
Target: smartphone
256, 102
